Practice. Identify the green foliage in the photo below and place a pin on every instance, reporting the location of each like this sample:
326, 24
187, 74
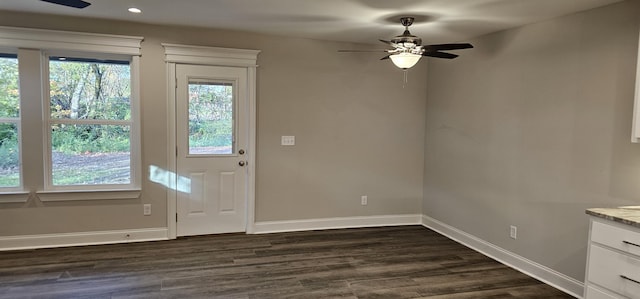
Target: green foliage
9, 180
90, 139
210, 114
9, 161
8, 132
9, 94
211, 133
9, 157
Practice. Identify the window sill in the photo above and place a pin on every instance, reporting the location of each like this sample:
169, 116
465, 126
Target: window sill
67, 195
14, 197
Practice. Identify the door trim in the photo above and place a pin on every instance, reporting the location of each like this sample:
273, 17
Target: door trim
212, 56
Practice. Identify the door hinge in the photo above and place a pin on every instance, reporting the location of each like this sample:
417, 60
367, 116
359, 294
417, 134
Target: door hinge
176, 151
176, 86
176, 217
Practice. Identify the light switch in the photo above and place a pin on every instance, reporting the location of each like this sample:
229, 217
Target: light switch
288, 140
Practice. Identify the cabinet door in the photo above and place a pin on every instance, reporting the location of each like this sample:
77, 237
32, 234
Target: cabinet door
617, 272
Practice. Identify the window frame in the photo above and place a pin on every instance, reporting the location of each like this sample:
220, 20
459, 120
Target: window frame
132, 122
71, 44
234, 120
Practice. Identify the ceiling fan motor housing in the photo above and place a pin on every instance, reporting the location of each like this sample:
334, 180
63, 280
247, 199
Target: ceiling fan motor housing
407, 39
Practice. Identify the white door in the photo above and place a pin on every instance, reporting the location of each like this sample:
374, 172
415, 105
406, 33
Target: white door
212, 138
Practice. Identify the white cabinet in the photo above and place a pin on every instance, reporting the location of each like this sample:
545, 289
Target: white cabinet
613, 264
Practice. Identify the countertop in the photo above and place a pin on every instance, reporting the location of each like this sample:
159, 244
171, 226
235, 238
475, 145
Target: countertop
628, 216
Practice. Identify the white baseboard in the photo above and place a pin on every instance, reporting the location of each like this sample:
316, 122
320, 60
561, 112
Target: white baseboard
82, 238
265, 227
556, 279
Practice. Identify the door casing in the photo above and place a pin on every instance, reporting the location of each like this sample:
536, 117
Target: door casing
213, 56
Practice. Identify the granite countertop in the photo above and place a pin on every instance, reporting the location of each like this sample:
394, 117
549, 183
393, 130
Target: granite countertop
629, 216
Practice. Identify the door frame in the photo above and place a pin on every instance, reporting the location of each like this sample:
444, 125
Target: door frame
210, 56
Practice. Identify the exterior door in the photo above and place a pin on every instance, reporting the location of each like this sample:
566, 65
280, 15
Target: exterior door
211, 138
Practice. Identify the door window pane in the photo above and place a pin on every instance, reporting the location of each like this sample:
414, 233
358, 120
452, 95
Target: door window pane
90, 154
211, 118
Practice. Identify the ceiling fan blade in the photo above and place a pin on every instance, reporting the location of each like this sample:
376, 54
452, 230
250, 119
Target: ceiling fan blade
70, 3
386, 57
360, 51
446, 47
440, 55
385, 41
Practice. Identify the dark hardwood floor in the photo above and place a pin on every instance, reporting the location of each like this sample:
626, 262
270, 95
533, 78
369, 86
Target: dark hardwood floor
387, 262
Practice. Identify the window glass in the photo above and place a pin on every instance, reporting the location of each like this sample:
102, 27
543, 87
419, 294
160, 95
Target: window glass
211, 118
89, 88
90, 154
90, 121
9, 120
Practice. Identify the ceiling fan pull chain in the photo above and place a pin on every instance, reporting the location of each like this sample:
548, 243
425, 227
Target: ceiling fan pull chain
404, 83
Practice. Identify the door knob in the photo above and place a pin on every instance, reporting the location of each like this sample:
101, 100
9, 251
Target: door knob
241, 151
242, 163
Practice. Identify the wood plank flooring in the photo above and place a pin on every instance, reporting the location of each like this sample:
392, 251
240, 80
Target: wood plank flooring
386, 262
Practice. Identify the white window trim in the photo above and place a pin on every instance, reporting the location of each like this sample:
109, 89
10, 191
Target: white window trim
134, 123
76, 195
13, 37
101, 45
14, 196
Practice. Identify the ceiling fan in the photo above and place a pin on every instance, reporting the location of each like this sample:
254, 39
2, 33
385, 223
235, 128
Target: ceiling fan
408, 49
69, 3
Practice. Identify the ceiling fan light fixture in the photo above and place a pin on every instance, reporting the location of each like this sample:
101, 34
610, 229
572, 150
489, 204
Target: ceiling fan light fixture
405, 60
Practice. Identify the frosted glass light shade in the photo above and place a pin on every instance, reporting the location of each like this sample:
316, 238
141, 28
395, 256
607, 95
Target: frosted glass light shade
405, 60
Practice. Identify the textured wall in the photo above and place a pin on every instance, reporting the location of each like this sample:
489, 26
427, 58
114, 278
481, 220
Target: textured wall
358, 131
531, 128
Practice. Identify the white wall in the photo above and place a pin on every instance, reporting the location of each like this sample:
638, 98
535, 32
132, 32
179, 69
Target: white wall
358, 131
531, 128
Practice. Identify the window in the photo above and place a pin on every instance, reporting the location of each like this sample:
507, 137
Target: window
9, 122
211, 118
86, 126
89, 122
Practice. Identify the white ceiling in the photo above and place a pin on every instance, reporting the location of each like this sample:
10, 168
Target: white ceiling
363, 21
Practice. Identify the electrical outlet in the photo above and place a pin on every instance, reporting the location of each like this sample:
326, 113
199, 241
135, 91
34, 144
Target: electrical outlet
288, 140
363, 200
513, 232
147, 209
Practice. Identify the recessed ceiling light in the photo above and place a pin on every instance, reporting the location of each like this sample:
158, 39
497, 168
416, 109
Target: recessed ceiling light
135, 10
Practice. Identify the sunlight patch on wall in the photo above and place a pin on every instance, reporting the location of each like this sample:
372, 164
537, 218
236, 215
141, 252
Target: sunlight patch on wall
169, 179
